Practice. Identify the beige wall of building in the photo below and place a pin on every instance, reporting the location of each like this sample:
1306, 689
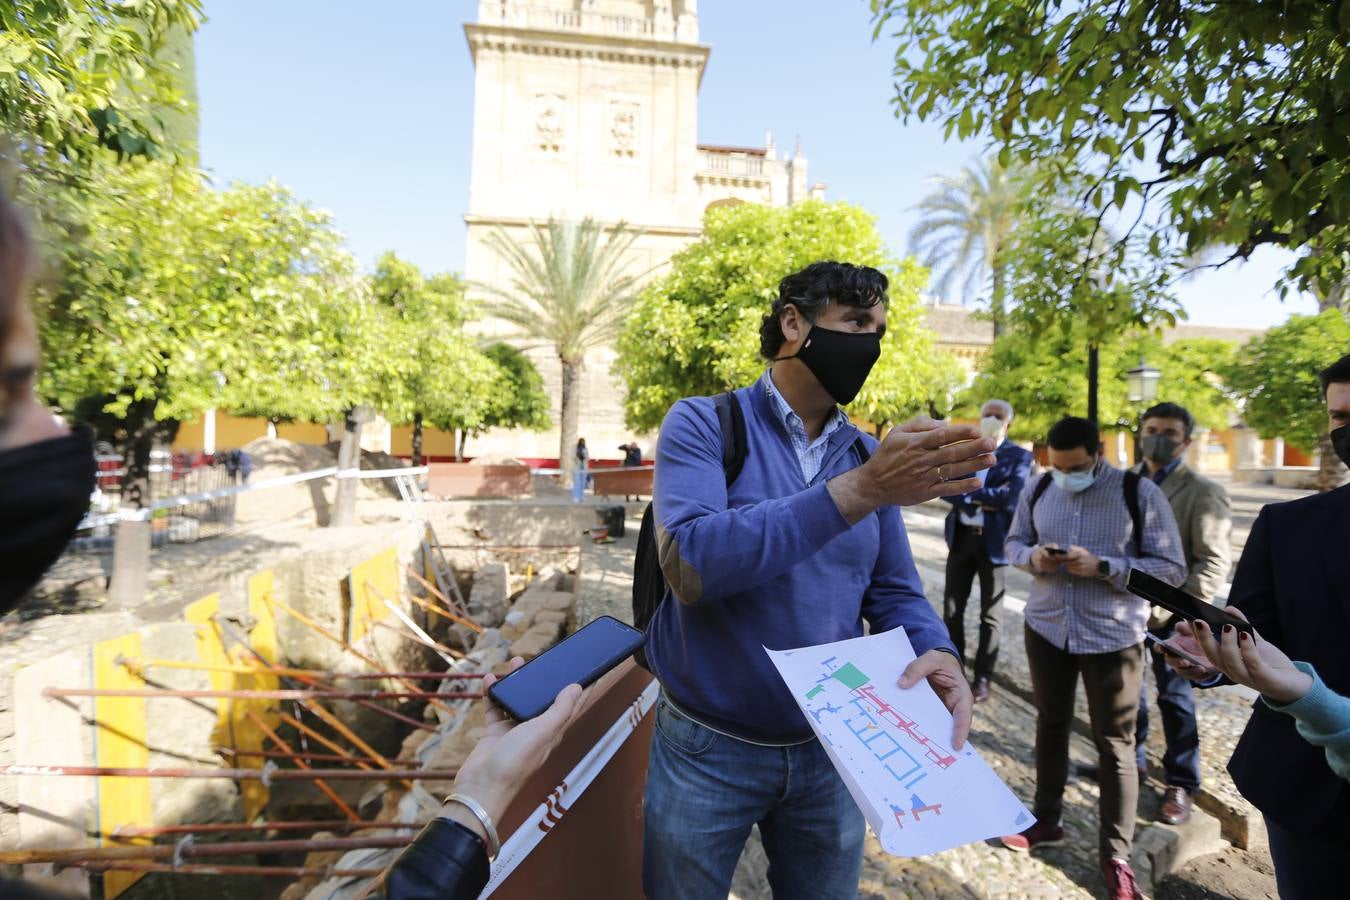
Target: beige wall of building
589, 108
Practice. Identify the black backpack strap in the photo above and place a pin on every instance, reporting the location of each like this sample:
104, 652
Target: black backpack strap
731, 418
1031, 506
861, 448
1131, 488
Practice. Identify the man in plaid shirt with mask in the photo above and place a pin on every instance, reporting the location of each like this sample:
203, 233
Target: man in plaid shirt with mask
1076, 533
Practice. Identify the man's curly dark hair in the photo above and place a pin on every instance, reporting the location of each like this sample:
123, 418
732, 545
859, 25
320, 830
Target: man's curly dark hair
812, 288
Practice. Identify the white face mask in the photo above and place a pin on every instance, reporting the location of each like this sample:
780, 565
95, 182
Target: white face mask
991, 427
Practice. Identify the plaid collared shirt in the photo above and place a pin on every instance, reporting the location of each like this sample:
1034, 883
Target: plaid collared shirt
1093, 614
810, 454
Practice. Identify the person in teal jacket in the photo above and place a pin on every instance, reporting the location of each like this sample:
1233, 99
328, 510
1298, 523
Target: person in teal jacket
1321, 715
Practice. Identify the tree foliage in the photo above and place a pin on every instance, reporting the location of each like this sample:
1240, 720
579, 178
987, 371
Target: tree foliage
1276, 377
1044, 377
695, 330
82, 75
441, 377
163, 288
1226, 123
517, 398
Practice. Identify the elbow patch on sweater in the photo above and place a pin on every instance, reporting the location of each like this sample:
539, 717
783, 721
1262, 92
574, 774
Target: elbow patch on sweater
684, 580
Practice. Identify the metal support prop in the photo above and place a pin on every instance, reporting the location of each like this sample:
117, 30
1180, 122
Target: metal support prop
280, 694
318, 783
185, 850
133, 831
264, 871
266, 774
460, 615
316, 627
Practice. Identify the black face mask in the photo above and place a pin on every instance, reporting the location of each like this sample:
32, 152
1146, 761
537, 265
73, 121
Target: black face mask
1340, 440
44, 492
840, 360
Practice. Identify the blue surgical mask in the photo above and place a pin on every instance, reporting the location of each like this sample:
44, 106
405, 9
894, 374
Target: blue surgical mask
1073, 482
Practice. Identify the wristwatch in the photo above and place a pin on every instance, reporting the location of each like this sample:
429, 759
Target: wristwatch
1103, 569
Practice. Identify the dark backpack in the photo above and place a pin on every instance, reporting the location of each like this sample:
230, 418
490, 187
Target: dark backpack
649, 582
1131, 491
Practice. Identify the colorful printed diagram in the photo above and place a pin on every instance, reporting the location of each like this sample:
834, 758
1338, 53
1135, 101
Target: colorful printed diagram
892, 747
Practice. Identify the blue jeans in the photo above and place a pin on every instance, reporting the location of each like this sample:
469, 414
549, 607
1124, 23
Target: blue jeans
1176, 706
704, 792
578, 484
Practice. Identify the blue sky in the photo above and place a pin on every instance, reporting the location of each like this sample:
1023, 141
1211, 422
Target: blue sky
366, 110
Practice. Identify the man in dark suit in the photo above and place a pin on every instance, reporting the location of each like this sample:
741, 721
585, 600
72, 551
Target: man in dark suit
976, 528
1293, 585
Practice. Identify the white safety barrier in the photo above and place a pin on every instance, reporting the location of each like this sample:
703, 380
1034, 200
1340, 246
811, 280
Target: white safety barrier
144, 513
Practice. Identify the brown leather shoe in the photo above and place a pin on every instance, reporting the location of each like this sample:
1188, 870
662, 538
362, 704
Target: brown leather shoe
1176, 806
981, 689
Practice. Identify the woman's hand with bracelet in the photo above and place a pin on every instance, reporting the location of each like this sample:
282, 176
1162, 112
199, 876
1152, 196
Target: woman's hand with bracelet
508, 754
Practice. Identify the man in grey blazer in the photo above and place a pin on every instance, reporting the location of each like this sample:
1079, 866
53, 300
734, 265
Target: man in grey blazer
1204, 519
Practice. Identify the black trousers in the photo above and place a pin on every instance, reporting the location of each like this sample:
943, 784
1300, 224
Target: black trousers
966, 560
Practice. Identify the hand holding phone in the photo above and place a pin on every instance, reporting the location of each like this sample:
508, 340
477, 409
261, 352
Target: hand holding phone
580, 658
1173, 650
1047, 559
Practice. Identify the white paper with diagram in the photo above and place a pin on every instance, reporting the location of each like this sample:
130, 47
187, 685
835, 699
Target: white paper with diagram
892, 747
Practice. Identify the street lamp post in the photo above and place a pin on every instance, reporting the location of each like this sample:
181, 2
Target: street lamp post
1141, 387
1141, 383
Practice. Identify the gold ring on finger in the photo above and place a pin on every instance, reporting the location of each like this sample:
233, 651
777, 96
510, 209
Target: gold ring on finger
941, 476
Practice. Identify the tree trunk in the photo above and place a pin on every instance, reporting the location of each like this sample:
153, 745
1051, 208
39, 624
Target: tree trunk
459, 447
1331, 471
998, 301
1093, 367
567, 437
140, 441
417, 439
349, 457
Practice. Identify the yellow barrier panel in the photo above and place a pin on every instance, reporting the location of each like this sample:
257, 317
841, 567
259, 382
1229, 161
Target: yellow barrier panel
375, 578
234, 727
119, 741
262, 637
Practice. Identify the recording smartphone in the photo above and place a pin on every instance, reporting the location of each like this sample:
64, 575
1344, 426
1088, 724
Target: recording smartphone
580, 658
1056, 551
1176, 651
1183, 604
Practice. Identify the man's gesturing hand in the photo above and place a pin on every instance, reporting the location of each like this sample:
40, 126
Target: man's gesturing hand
945, 677
917, 461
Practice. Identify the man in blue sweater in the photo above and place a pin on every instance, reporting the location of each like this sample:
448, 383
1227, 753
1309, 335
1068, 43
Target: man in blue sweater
803, 547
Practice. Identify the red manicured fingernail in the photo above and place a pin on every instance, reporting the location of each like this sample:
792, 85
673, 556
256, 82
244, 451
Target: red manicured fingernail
1228, 629
1242, 635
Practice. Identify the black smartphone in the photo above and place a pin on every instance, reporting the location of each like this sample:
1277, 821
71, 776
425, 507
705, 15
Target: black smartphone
580, 658
1183, 604
1056, 551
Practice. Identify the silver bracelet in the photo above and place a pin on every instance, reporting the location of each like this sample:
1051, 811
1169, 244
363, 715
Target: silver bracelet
494, 846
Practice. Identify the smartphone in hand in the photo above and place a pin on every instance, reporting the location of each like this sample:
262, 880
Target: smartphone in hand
1056, 551
1175, 600
580, 658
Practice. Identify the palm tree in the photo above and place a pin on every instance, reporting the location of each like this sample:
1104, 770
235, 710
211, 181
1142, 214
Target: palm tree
569, 289
967, 225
